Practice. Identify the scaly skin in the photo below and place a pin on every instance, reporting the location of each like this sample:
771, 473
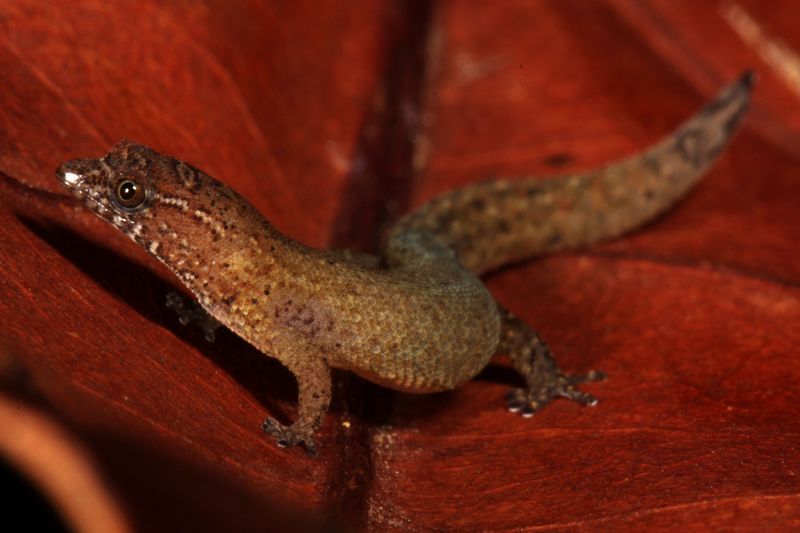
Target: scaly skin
416, 318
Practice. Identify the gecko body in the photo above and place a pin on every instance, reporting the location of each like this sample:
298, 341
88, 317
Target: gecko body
416, 317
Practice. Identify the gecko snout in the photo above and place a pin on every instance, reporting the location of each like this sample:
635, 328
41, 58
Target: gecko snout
65, 175
72, 173
81, 175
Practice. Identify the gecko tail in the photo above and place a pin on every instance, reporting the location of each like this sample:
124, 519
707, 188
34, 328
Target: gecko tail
494, 223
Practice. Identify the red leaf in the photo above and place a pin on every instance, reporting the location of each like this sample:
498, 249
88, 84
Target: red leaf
332, 118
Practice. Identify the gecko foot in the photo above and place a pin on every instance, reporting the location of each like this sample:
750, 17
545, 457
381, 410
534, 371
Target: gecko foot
544, 380
544, 388
192, 313
286, 436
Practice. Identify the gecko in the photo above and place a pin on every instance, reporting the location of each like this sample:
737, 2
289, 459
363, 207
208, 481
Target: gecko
416, 317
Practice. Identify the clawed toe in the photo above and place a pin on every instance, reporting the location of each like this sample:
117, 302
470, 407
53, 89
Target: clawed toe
583, 398
592, 375
516, 399
524, 402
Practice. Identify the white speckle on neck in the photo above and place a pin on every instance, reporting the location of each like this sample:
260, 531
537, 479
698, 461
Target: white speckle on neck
180, 203
210, 221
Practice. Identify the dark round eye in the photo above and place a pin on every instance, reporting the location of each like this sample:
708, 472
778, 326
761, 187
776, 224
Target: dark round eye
129, 194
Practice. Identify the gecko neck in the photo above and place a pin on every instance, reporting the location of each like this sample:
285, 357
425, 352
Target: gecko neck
229, 257
250, 267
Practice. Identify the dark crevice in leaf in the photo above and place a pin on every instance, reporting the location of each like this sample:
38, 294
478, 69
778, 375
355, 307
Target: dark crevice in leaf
145, 292
379, 189
381, 178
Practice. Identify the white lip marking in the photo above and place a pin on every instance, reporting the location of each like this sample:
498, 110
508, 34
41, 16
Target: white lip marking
71, 178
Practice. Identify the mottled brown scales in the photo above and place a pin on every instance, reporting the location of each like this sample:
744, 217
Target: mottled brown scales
415, 318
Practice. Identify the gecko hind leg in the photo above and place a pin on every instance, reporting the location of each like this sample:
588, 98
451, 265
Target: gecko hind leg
531, 357
193, 313
313, 397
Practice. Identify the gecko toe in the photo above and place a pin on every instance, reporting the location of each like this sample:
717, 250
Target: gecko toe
578, 396
287, 436
515, 400
272, 427
311, 450
532, 399
592, 375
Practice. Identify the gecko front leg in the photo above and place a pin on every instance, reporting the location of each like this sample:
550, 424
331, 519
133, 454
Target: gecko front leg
313, 377
532, 358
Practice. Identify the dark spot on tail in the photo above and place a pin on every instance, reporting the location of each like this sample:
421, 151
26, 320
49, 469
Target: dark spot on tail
691, 144
445, 220
733, 120
558, 160
478, 204
653, 163
533, 191
715, 105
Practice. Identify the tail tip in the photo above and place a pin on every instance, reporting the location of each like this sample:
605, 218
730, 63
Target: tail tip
748, 79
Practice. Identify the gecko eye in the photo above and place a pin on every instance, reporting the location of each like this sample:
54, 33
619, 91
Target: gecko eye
129, 194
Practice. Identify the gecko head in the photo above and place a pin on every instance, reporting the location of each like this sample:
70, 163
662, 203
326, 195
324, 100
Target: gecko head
118, 187
168, 207
134, 187
141, 192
